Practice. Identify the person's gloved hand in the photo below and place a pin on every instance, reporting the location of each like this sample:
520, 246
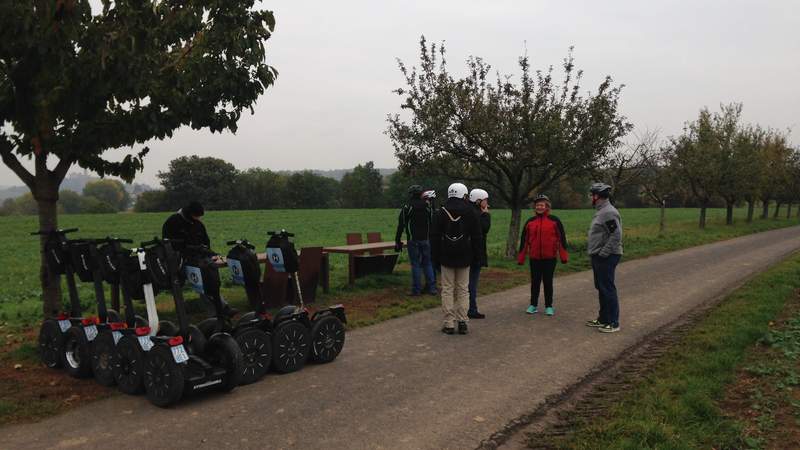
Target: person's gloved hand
398, 246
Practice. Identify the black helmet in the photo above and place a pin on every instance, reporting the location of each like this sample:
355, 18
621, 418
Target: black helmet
541, 198
601, 189
415, 190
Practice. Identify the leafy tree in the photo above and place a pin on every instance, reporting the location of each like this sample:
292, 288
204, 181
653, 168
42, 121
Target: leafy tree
308, 190
362, 188
23, 205
210, 181
152, 201
112, 192
513, 138
775, 154
70, 201
260, 189
75, 82
94, 205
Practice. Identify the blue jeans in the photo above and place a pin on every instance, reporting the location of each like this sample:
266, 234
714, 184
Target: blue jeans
474, 274
419, 254
603, 269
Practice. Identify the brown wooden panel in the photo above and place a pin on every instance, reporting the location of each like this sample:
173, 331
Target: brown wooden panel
373, 237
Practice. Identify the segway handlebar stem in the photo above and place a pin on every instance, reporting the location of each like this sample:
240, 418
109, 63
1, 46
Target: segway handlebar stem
60, 231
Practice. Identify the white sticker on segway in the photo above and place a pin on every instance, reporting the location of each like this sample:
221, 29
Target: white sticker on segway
236, 271
195, 279
179, 353
117, 336
275, 258
91, 332
64, 324
146, 343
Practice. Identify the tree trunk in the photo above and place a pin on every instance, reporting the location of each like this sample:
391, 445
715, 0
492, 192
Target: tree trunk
51, 283
765, 209
703, 217
662, 219
777, 210
513, 232
751, 206
729, 213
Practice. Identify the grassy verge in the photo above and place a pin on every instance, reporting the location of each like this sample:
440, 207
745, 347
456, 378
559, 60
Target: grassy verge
678, 404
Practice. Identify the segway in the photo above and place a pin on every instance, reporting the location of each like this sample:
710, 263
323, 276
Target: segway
114, 261
295, 336
53, 331
253, 330
185, 362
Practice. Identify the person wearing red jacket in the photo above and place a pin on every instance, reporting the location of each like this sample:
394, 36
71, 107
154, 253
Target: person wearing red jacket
543, 240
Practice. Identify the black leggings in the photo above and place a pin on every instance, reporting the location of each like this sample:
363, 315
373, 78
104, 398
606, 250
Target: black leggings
542, 271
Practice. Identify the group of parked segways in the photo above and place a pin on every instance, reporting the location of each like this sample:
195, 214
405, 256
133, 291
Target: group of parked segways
165, 360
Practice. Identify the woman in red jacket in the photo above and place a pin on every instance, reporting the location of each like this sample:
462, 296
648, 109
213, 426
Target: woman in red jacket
543, 240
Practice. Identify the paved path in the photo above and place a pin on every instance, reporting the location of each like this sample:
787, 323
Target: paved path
403, 384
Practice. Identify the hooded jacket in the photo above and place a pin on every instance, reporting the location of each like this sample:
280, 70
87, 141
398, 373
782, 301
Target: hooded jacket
605, 232
186, 229
415, 220
461, 211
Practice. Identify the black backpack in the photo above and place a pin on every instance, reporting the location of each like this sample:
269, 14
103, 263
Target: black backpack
455, 240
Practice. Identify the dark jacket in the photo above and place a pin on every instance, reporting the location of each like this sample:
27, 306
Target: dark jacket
415, 220
461, 211
485, 221
190, 231
543, 237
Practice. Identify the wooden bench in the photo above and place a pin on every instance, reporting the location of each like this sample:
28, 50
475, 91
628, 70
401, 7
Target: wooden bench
366, 259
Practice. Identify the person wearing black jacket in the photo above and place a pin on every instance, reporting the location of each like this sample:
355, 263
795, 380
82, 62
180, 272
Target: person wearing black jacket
186, 228
455, 246
415, 221
479, 199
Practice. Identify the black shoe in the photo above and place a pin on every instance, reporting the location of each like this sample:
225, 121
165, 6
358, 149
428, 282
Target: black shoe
448, 330
476, 315
462, 327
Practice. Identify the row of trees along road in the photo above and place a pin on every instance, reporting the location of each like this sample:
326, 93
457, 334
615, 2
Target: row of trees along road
77, 81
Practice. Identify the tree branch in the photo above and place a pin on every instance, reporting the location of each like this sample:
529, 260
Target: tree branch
10, 160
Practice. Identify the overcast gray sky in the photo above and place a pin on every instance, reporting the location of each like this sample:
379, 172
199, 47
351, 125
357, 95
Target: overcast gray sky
337, 68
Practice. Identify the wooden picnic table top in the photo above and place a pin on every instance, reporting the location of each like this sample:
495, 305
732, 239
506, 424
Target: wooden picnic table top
360, 248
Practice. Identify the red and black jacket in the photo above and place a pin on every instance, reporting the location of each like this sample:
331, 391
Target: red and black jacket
543, 237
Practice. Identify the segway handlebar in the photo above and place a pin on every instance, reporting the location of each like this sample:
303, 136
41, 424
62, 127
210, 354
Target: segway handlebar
157, 241
64, 231
242, 242
282, 232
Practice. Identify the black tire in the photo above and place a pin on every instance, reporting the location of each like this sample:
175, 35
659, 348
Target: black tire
77, 354
290, 346
223, 351
246, 318
197, 341
163, 377
113, 316
129, 365
256, 347
140, 321
104, 353
167, 328
208, 326
51, 343
327, 339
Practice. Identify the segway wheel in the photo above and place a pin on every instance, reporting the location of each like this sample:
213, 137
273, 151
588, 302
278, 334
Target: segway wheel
327, 339
103, 355
129, 365
51, 343
140, 321
208, 326
167, 328
223, 351
77, 354
163, 377
290, 346
256, 350
113, 316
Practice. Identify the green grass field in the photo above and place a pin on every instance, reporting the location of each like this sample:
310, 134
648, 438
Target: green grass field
20, 292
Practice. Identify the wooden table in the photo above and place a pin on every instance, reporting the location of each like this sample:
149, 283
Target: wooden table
352, 251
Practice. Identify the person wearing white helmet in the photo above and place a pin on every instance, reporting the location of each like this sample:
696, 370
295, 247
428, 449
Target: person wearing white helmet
480, 205
604, 246
455, 241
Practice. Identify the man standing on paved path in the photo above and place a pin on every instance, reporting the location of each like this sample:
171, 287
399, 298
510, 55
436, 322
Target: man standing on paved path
605, 248
455, 237
415, 220
479, 199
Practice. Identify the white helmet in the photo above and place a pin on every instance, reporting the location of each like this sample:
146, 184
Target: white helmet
477, 195
429, 194
457, 190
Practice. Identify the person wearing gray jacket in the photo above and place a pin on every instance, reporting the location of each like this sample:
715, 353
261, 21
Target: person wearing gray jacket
605, 249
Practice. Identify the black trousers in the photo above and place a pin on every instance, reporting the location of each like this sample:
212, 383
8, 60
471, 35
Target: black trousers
542, 271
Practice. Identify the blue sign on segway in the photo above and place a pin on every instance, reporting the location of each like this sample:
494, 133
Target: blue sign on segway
195, 279
236, 271
275, 258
